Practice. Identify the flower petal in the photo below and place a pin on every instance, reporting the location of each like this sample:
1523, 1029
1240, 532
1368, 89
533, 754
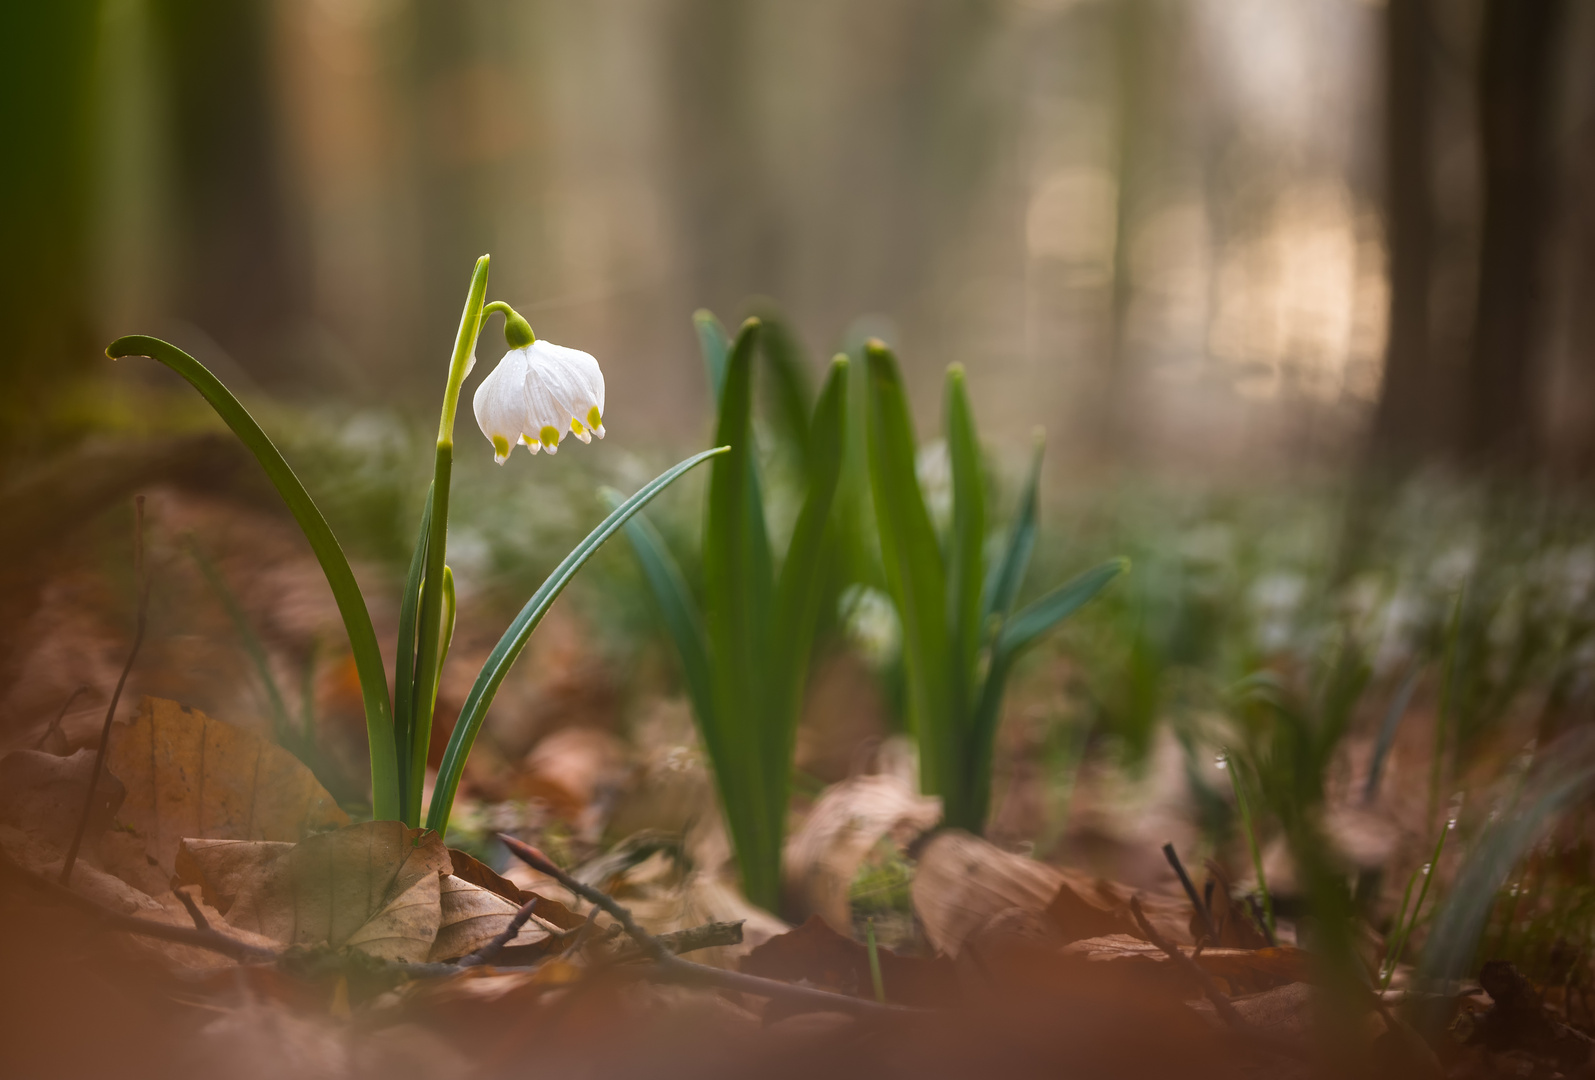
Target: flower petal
576, 384
500, 404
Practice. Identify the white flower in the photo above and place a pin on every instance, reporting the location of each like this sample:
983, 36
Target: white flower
539, 394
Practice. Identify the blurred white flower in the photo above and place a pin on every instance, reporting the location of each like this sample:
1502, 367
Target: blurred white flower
539, 394
871, 621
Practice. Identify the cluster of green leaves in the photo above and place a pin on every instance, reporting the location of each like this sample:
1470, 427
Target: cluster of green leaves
398, 729
961, 636
745, 654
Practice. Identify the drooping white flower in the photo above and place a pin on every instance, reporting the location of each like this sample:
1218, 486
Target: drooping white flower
539, 394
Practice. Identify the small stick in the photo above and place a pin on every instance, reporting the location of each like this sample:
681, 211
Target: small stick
55, 725
669, 968
707, 936
1190, 890
110, 713
1262, 921
180, 935
200, 922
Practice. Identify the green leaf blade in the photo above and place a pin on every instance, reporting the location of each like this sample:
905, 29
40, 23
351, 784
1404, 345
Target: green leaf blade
334, 564
1027, 625
967, 541
915, 576
514, 639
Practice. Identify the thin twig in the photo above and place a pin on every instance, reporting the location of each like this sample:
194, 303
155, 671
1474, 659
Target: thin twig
200, 922
213, 940
668, 968
55, 725
143, 585
1190, 890
1221, 1004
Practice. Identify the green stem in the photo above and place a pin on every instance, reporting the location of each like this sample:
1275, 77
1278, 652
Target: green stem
875, 979
430, 618
345, 590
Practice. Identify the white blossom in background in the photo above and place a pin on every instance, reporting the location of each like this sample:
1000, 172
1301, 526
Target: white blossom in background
539, 394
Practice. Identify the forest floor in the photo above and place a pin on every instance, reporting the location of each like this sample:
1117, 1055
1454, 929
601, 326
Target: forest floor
230, 913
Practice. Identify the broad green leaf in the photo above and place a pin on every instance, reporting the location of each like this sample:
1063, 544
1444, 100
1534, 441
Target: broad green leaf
799, 593
739, 590
966, 543
345, 590
498, 663
1030, 622
680, 615
715, 346
1007, 575
914, 574
404, 661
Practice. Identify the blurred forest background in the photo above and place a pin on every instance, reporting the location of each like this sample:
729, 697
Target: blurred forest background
1235, 237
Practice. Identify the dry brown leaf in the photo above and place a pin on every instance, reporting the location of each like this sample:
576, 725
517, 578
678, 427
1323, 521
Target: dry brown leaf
477, 872
1241, 971
42, 795
188, 775
226, 869
374, 887
818, 954
847, 821
471, 916
963, 882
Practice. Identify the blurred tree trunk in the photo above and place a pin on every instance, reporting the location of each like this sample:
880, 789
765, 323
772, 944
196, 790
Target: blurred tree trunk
1516, 98
1402, 426
46, 63
239, 273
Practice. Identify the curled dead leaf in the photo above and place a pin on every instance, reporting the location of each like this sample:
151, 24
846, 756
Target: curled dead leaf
847, 821
190, 776
963, 883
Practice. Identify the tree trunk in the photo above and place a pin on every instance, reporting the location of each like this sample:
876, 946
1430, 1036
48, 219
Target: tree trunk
1516, 96
238, 272
1402, 428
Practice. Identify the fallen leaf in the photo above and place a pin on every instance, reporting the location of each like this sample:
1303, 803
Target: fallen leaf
819, 955
471, 916
190, 776
374, 887
42, 795
963, 882
225, 869
1242, 971
847, 821
477, 872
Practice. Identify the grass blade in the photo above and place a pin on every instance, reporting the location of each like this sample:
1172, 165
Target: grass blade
1027, 625
1006, 577
915, 577
340, 578
509, 646
280, 723
1387, 732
